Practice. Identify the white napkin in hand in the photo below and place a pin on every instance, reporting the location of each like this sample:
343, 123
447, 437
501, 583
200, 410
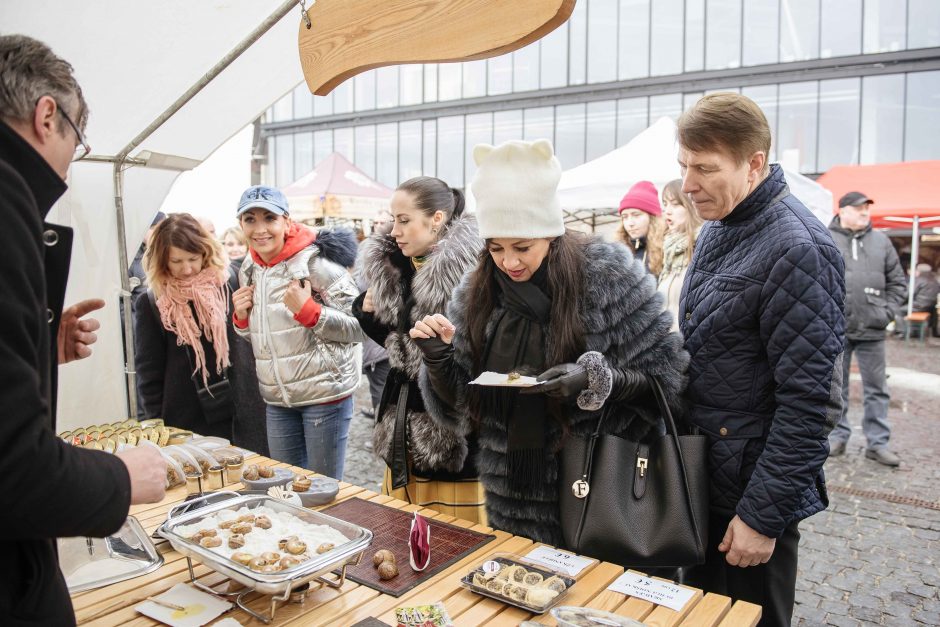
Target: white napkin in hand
200, 607
496, 379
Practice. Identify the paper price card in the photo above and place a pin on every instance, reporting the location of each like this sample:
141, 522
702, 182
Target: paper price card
561, 561
659, 592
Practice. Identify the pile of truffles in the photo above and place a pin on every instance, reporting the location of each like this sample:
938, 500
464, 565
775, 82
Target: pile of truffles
384, 560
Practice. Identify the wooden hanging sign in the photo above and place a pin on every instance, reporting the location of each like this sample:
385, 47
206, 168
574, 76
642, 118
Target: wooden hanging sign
348, 37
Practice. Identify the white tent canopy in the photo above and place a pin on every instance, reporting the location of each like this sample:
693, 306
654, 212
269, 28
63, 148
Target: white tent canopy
134, 59
599, 185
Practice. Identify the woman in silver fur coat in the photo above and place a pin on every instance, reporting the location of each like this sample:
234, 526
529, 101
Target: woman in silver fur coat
580, 313
412, 272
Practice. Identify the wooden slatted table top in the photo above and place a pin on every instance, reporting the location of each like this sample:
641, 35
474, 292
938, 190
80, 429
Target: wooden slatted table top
114, 605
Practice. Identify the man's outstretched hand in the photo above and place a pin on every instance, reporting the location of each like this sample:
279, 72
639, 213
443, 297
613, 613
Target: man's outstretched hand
76, 335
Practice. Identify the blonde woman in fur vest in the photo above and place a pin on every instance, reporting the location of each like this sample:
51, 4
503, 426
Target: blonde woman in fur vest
683, 225
412, 272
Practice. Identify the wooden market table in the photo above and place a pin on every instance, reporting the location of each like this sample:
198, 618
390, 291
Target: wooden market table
114, 604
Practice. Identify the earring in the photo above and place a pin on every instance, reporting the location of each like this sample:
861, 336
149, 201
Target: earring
434, 229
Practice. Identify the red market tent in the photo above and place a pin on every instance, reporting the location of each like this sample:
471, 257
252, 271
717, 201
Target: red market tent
337, 189
903, 194
900, 190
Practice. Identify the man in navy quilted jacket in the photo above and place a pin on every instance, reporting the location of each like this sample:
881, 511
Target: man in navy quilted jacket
762, 316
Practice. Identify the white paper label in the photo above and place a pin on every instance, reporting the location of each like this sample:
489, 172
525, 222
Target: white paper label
562, 561
659, 592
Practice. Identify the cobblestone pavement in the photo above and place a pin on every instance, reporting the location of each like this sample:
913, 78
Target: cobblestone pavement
362, 467
872, 558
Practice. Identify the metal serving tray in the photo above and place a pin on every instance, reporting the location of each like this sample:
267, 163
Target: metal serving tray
280, 583
90, 563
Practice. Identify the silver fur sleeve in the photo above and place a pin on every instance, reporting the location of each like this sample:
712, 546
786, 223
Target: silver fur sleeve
600, 381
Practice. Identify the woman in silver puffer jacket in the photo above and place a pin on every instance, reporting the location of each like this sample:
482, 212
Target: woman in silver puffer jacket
294, 305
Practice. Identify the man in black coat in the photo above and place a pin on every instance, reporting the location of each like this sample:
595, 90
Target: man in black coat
761, 313
48, 488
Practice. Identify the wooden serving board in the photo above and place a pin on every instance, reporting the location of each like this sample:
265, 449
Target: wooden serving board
390, 528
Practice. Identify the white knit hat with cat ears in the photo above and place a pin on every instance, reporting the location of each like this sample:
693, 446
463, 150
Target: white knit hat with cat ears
515, 188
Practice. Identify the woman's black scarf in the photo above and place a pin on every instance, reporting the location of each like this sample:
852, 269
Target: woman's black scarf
518, 344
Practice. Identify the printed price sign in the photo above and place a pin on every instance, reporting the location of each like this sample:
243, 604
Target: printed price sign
562, 561
659, 592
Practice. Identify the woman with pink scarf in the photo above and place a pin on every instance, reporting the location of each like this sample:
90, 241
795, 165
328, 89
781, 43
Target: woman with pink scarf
183, 335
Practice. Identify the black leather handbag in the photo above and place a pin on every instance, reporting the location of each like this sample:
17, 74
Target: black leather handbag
215, 400
636, 504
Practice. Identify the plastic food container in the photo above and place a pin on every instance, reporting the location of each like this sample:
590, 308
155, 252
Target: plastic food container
175, 475
569, 616
189, 463
206, 461
513, 580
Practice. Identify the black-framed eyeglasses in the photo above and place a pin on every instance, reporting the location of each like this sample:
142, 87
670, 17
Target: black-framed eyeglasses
82, 149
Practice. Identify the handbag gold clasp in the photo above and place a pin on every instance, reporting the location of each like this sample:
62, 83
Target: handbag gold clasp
641, 463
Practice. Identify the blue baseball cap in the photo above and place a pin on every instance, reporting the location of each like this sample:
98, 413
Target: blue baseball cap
263, 197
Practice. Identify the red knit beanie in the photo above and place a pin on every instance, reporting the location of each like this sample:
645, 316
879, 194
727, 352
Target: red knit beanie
642, 196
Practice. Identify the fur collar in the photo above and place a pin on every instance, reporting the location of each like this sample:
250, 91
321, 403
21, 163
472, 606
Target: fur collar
381, 265
622, 314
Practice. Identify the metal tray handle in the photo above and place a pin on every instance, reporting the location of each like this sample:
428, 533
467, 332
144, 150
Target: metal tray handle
206, 499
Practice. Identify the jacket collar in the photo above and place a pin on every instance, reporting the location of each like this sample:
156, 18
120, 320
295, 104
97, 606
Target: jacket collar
382, 267
44, 183
298, 237
836, 225
772, 187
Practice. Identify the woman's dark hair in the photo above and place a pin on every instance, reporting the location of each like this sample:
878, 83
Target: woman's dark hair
432, 194
565, 261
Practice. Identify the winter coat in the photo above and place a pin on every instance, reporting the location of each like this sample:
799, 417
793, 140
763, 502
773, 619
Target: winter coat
167, 389
761, 312
926, 289
401, 297
623, 318
299, 365
48, 488
675, 265
875, 287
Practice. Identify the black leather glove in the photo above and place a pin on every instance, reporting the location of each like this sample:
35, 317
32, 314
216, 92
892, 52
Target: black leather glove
442, 372
627, 384
564, 382
435, 349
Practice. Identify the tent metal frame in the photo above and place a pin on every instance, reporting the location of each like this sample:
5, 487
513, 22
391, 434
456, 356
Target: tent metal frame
591, 217
915, 253
123, 161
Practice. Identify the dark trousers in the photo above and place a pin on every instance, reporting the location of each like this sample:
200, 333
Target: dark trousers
771, 585
377, 373
871, 364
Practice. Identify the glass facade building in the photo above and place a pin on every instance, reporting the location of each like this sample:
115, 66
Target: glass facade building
841, 82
